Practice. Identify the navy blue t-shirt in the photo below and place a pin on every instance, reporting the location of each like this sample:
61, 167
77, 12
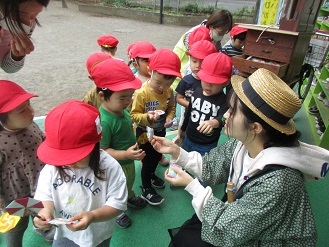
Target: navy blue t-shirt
187, 86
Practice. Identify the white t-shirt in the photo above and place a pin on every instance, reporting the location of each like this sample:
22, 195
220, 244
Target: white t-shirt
84, 192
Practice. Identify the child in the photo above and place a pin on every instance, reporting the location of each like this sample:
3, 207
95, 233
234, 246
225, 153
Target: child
130, 60
115, 86
108, 44
140, 53
80, 182
198, 51
92, 97
235, 46
208, 104
20, 166
155, 95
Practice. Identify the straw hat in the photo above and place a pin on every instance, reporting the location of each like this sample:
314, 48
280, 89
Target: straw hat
268, 97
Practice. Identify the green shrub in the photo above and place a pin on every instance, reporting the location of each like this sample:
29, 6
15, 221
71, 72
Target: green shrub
190, 8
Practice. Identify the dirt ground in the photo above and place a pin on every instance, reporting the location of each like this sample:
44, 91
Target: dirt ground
56, 70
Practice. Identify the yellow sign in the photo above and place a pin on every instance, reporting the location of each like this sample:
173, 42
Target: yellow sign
270, 9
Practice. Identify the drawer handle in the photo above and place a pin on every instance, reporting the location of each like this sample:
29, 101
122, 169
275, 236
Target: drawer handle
252, 67
266, 51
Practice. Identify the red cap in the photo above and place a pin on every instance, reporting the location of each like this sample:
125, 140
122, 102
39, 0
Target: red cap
95, 59
12, 95
129, 49
201, 49
142, 49
72, 130
200, 33
165, 62
237, 30
107, 41
216, 68
114, 75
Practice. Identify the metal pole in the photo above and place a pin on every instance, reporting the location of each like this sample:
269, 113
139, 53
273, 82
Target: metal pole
161, 12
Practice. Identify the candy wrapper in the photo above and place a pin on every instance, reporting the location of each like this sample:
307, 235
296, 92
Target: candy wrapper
62, 221
149, 132
171, 172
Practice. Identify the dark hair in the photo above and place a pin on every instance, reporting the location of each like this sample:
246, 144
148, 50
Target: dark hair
107, 92
275, 137
10, 11
240, 36
109, 49
3, 119
220, 19
93, 164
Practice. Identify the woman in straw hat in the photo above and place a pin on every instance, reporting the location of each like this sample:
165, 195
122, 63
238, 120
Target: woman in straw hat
266, 166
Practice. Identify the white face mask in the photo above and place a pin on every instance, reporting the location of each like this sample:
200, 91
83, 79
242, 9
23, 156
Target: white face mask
4, 25
215, 37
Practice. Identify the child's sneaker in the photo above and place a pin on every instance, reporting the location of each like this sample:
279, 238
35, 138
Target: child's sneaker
123, 220
136, 202
157, 182
151, 196
164, 161
47, 235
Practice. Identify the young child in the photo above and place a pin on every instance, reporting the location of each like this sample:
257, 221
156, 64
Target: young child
235, 46
198, 51
140, 53
203, 119
108, 44
19, 163
92, 97
115, 86
80, 182
155, 96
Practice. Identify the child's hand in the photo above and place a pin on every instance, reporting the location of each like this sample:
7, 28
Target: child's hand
134, 153
169, 122
84, 218
207, 126
152, 115
182, 178
42, 222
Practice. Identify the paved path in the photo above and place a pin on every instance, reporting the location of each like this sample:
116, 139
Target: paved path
56, 69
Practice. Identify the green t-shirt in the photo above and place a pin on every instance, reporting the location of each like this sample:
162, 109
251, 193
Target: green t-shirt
117, 132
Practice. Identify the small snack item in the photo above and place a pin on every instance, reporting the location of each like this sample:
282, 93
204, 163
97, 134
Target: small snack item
159, 112
171, 172
62, 221
149, 133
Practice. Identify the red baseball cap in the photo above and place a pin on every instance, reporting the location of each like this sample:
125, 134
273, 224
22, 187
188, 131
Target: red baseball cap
114, 75
237, 30
129, 49
142, 49
107, 41
72, 130
95, 59
12, 95
216, 68
200, 33
201, 49
165, 62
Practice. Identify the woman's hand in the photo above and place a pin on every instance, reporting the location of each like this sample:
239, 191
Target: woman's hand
165, 146
182, 179
21, 45
84, 220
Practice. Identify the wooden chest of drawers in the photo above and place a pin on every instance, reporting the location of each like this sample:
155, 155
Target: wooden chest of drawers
282, 51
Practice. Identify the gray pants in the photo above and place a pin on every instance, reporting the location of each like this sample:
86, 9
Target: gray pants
65, 242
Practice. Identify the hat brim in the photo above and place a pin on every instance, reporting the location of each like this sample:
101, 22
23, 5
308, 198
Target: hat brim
289, 128
17, 102
169, 72
212, 79
144, 55
196, 54
135, 84
58, 157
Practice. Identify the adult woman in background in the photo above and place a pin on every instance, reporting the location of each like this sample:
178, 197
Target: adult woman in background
266, 165
219, 23
18, 19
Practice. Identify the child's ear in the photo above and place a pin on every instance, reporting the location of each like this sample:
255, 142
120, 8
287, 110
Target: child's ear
101, 95
135, 64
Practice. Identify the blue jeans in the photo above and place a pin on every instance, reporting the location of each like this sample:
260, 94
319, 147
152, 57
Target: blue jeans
200, 148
